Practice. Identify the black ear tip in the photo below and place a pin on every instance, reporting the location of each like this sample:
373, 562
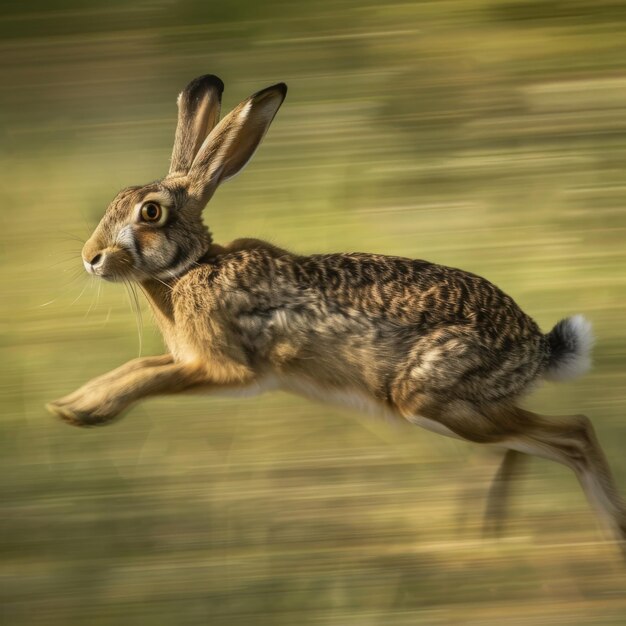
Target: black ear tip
280, 87
204, 82
210, 80
272, 89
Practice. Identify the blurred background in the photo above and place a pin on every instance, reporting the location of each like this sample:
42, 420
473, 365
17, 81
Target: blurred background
485, 134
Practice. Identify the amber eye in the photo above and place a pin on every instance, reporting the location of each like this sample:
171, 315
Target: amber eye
152, 212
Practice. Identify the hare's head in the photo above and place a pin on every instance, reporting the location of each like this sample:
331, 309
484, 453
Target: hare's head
156, 230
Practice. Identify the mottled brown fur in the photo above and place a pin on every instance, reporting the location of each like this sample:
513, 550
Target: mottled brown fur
431, 344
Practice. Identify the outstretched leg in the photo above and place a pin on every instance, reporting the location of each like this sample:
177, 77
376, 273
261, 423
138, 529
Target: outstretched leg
105, 380
104, 398
569, 440
572, 441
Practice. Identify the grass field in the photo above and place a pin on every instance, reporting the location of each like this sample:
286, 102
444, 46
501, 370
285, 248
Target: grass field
485, 134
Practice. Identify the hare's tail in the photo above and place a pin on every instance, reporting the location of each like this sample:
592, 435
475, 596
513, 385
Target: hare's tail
569, 349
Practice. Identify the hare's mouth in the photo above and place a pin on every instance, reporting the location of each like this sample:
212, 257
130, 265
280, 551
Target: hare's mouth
113, 264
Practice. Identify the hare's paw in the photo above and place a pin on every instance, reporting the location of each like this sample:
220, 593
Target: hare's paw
77, 415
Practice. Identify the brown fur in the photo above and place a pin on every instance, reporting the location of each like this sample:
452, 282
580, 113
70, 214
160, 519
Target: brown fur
432, 344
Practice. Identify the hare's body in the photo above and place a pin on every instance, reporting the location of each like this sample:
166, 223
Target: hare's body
433, 345
408, 335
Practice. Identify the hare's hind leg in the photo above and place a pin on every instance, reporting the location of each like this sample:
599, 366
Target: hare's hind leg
569, 440
499, 493
463, 421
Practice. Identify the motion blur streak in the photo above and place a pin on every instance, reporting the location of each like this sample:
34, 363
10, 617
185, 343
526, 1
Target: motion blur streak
485, 134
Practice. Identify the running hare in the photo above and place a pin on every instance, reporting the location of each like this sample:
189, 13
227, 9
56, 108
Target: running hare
437, 346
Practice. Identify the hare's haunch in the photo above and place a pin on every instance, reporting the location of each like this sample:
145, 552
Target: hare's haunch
433, 345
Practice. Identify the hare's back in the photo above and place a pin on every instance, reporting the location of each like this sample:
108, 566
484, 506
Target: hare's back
386, 291
416, 292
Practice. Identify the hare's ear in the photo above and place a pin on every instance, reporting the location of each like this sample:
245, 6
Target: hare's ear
198, 113
233, 141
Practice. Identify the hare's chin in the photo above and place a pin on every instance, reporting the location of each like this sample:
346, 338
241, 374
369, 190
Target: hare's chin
112, 276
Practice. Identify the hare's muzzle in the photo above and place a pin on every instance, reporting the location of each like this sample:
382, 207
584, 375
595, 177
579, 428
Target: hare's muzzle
110, 263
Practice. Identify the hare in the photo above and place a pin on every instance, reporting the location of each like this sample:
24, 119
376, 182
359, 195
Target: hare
439, 347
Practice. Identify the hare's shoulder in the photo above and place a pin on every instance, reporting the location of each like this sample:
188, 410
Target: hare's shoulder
243, 268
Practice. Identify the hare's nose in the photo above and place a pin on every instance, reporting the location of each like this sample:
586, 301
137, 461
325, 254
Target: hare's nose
96, 259
91, 265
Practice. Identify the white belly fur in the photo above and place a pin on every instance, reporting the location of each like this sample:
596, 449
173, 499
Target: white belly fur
344, 398
433, 426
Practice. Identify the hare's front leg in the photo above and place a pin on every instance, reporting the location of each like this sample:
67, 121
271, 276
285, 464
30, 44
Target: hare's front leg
104, 398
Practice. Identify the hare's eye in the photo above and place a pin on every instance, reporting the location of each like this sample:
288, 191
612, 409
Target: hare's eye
153, 212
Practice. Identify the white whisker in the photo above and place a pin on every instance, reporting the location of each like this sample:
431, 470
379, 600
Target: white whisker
93, 306
135, 308
89, 282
